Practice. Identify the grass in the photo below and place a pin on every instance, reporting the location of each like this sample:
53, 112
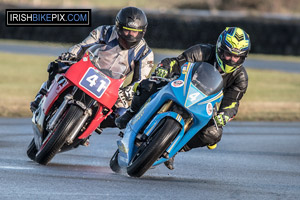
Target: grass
271, 96
20, 78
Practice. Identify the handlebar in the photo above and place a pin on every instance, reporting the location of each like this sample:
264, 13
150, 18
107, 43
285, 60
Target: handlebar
158, 78
66, 61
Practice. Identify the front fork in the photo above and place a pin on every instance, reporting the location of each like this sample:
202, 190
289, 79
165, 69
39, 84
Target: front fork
68, 99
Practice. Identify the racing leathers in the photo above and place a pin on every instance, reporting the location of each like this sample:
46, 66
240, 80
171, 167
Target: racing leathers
235, 86
140, 58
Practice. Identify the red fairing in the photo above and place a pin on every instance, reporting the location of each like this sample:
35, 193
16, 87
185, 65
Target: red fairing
54, 92
76, 73
73, 77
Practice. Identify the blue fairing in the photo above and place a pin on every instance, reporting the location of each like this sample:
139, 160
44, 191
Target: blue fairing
188, 91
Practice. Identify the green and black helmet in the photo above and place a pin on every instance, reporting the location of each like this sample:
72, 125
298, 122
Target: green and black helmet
235, 41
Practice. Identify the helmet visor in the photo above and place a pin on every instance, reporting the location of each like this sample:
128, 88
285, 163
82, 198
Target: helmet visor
131, 34
231, 59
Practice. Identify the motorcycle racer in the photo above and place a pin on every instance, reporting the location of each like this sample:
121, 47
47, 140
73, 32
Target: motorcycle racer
228, 55
126, 37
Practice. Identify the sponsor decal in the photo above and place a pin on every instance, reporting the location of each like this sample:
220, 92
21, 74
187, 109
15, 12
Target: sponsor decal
177, 83
132, 24
94, 32
209, 109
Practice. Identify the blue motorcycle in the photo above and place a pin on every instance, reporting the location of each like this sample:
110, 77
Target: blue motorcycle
169, 119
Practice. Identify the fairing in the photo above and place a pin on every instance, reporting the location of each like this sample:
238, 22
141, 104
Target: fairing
198, 99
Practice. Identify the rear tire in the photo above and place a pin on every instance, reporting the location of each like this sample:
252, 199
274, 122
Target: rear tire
150, 150
31, 150
64, 127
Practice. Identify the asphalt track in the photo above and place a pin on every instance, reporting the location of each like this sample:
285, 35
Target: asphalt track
253, 161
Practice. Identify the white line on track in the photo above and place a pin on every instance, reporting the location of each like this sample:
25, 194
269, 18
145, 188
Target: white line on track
15, 167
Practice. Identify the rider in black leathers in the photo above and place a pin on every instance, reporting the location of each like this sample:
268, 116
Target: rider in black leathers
227, 56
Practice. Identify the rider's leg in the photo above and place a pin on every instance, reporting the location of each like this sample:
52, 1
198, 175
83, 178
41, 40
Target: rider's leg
43, 90
53, 69
208, 136
145, 89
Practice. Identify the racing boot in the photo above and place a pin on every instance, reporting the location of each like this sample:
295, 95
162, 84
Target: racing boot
170, 163
35, 104
123, 120
43, 90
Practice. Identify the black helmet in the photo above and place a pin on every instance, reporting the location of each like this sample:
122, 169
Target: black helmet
132, 19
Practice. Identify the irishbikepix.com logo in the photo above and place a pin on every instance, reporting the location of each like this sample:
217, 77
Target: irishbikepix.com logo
48, 17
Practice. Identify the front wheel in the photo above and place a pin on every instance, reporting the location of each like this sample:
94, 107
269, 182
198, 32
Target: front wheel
114, 165
150, 150
53, 142
31, 150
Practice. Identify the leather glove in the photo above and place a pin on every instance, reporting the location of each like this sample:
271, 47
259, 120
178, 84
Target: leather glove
221, 119
67, 56
165, 68
161, 72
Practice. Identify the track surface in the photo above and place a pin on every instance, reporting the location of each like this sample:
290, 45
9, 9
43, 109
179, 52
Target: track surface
252, 161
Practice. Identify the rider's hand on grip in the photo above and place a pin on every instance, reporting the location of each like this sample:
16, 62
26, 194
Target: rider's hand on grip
165, 68
221, 119
161, 71
67, 56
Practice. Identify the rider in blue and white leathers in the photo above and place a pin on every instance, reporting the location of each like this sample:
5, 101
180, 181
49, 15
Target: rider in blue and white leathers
126, 37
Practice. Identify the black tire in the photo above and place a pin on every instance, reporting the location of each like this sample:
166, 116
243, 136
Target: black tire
64, 127
114, 165
153, 148
31, 150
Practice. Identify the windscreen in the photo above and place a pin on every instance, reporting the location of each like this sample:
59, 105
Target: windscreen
108, 60
206, 78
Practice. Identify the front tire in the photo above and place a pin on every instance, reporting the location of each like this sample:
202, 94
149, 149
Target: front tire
150, 150
31, 150
114, 165
56, 140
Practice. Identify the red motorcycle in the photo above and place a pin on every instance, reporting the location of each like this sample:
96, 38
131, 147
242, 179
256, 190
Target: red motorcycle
76, 103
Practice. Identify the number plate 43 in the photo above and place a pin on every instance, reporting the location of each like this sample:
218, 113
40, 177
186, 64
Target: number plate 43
94, 82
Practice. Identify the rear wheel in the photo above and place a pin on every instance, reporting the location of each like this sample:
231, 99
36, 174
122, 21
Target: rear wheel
150, 150
31, 150
53, 142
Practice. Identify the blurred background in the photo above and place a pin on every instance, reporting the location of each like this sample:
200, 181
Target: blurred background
273, 64
274, 26
277, 6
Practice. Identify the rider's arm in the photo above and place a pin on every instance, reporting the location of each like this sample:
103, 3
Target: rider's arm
94, 37
234, 93
143, 65
196, 53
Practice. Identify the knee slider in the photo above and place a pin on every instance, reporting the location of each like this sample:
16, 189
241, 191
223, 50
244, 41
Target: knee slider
214, 134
